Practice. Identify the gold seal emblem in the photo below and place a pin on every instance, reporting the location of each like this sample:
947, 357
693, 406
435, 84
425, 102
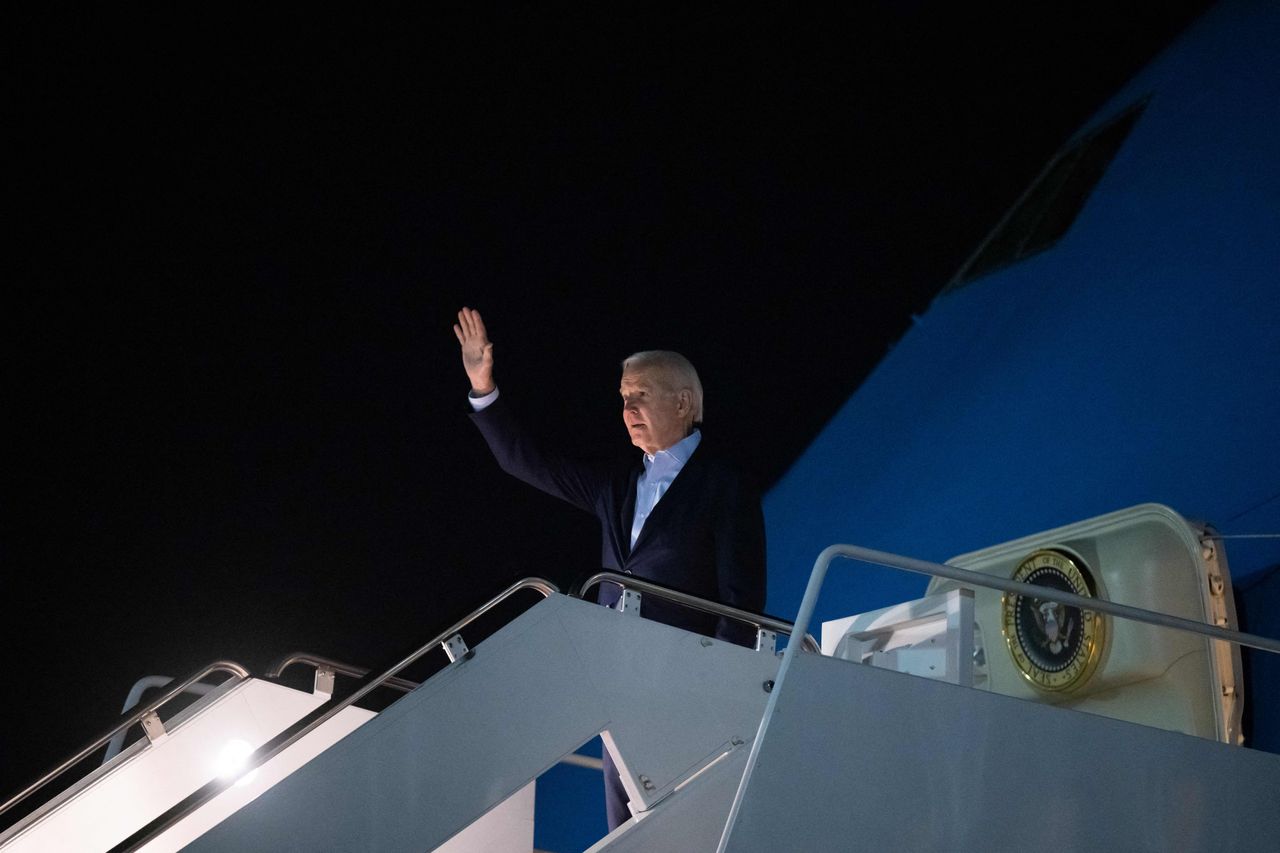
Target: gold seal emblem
1055, 646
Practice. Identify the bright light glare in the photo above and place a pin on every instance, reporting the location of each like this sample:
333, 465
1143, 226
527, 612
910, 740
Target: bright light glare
232, 760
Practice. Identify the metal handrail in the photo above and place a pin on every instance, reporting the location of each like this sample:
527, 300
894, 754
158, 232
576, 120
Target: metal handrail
147, 682
277, 669
966, 576
759, 620
1084, 602
313, 720
238, 673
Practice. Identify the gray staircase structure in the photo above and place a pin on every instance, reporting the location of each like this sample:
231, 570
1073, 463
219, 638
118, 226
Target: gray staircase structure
669, 704
861, 758
814, 753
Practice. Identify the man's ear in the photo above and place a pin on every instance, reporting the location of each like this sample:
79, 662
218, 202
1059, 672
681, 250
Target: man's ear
686, 401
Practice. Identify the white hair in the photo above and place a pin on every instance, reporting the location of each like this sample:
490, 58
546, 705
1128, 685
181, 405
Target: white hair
675, 372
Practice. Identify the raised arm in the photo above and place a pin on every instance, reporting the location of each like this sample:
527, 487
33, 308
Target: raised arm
477, 351
577, 481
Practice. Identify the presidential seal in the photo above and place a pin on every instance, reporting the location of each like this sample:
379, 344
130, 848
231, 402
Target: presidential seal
1055, 646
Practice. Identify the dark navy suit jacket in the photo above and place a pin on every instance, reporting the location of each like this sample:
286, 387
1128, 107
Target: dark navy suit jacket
705, 536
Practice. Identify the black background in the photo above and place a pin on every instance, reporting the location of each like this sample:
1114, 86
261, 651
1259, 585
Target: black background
235, 399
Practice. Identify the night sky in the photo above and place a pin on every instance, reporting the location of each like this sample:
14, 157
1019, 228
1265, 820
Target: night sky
236, 406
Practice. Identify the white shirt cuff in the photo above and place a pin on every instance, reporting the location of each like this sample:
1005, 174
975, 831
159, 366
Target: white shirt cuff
482, 403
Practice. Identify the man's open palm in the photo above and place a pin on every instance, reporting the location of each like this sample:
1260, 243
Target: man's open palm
477, 351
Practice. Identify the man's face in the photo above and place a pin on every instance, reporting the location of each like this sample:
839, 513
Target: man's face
656, 417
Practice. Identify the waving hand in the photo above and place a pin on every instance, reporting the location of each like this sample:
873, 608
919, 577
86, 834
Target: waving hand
477, 350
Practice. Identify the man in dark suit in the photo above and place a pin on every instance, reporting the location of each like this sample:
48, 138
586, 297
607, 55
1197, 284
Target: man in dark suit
678, 516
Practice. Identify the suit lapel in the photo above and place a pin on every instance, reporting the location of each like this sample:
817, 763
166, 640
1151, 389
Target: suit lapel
626, 514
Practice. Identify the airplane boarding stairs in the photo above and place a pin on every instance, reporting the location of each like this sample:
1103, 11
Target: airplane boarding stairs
481, 730
431, 770
701, 733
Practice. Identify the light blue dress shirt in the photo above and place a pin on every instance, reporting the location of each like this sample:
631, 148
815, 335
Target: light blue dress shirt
660, 470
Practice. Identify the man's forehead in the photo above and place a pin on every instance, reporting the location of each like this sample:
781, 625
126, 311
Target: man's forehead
642, 377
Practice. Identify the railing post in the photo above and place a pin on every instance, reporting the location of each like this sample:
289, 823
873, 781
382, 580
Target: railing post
801, 629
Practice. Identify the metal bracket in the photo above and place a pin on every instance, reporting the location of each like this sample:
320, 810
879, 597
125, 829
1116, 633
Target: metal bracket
325, 677
154, 727
456, 648
766, 640
629, 604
